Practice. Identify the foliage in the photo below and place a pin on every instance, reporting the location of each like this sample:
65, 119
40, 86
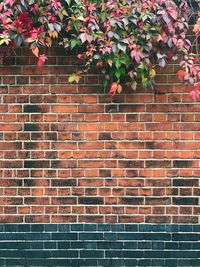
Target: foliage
125, 38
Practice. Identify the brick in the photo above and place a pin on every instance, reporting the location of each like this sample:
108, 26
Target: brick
96, 155
185, 201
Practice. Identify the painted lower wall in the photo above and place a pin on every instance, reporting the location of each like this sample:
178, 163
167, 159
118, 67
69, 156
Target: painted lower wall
99, 245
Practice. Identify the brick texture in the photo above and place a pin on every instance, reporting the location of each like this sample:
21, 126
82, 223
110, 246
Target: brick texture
99, 245
71, 153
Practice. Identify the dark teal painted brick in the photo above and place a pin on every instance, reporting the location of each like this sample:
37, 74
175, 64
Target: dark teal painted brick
117, 262
130, 262
195, 262
171, 245
24, 227
123, 244
14, 262
91, 254
63, 227
131, 227
145, 227
185, 237
189, 254
37, 228
113, 254
64, 245
57, 262
103, 245
157, 254
90, 262
144, 245
64, 236
110, 236
37, 253
12, 254
77, 262
37, 236
105, 262
158, 228
91, 236
17, 245
36, 245
171, 263
157, 236
116, 245
130, 236
64, 254
196, 228
185, 245
51, 228
130, 245
77, 245
50, 245
89, 245
104, 227
184, 263
132, 254
172, 228
11, 228
2, 245
90, 227
35, 262
158, 262
185, 228
77, 227
144, 262
117, 227
158, 245
196, 245
11, 236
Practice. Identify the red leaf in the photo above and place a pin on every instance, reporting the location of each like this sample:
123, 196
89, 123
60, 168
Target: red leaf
42, 59
181, 74
194, 95
197, 86
113, 88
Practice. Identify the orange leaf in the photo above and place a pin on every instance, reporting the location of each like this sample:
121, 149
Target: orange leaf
113, 88
119, 88
35, 51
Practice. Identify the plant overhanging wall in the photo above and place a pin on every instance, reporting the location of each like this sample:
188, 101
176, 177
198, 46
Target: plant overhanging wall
126, 39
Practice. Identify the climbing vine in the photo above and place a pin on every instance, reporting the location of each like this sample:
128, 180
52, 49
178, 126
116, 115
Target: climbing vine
126, 39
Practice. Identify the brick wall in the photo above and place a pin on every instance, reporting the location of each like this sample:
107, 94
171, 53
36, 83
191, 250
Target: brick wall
99, 245
70, 153
73, 154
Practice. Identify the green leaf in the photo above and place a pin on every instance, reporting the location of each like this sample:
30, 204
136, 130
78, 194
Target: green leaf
118, 73
74, 42
68, 2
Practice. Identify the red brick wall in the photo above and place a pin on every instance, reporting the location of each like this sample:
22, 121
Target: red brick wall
70, 153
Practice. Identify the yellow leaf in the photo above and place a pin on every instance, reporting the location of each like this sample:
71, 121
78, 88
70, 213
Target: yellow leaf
110, 62
133, 85
60, 15
55, 34
74, 78
71, 78
77, 78
152, 73
81, 18
35, 51
64, 12
50, 33
48, 41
